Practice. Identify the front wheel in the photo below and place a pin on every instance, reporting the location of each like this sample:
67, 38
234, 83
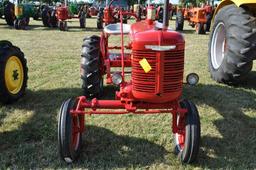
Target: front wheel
187, 140
63, 25
200, 28
69, 132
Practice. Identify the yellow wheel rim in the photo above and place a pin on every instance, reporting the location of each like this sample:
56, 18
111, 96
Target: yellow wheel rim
14, 75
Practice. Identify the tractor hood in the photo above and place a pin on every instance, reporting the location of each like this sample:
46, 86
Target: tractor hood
143, 34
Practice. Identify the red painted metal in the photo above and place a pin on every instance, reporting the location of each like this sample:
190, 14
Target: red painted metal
93, 11
92, 107
158, 91
62, 13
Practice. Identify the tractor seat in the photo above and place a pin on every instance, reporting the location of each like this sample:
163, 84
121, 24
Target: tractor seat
115, 29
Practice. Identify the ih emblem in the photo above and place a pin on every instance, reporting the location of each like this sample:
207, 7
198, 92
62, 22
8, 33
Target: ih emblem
145, 65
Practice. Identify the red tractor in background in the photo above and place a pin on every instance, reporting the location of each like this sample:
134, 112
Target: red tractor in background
57, 16
141, 11
110, 13
156, 59
93, 11
64, 13
200, 18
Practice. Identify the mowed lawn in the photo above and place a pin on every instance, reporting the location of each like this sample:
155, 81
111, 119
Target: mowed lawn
28, 128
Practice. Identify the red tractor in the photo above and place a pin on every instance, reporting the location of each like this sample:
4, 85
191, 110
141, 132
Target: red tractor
200, 18
65, 12
110, 14
93, 11
157, 66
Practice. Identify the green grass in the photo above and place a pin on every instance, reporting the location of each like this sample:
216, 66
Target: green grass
28, 128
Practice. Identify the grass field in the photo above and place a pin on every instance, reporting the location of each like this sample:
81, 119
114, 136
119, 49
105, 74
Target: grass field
28, 128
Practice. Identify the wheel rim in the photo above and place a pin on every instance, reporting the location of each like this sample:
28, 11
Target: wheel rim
14, 75
180, 138
218, 45
75, 137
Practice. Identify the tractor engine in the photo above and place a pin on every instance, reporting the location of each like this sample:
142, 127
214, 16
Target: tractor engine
157, 63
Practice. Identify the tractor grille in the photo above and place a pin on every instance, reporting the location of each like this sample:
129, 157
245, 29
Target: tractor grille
168, 75
143, 82
173, 71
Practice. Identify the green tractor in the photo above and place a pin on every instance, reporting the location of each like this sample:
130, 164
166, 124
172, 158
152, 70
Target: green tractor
13, 73
232, 45
23, 12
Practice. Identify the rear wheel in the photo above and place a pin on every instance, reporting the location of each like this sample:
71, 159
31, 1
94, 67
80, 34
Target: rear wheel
232, 45
46, 17
179, 21
13, 73
208, 22
187, 140
9, 13
53, 19
92, 81
100, 19
69, 132
82, 20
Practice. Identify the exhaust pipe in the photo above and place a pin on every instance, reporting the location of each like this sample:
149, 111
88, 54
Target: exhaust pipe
166, 14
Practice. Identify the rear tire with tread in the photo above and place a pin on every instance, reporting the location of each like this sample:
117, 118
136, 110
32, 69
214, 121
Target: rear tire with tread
92, 81
240, 39
179, 21
9, 14
7, 50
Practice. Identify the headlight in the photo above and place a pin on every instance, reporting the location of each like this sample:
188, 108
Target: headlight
117, 78
192, 79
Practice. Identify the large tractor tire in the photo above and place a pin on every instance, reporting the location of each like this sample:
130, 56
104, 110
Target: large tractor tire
100, 19
208, 22
9, 14
232, 46
92, 81
53, 19
82, 20
13, 73
46, 17
99, 23
179, 21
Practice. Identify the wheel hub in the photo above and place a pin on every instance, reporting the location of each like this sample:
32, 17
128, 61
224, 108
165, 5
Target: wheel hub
14, 75
218, 46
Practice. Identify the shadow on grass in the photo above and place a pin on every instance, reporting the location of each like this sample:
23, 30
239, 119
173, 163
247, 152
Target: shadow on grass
236, 146
105, 150
34, 143
250, 81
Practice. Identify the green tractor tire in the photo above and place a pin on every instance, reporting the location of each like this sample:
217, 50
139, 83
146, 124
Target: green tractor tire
13, 73
9, 13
